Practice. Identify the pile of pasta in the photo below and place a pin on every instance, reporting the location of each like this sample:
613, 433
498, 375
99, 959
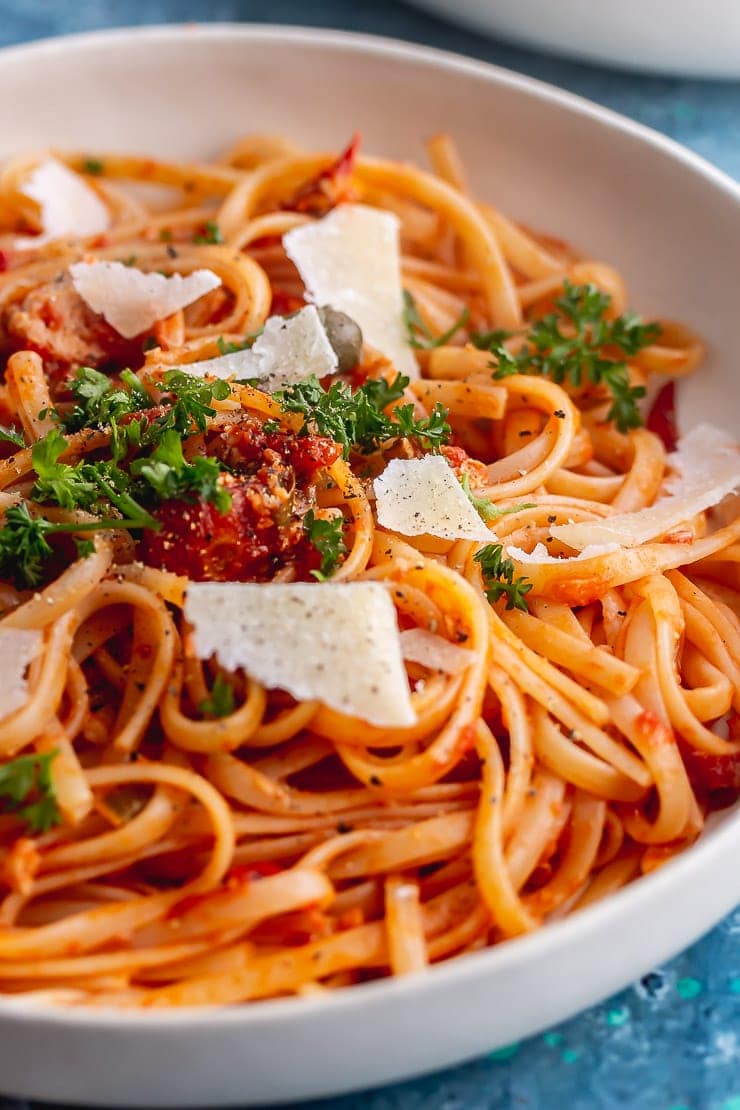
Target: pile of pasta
277, 845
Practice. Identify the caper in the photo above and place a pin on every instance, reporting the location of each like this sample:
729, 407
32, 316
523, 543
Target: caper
345, 336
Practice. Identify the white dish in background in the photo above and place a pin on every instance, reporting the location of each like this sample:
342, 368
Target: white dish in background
671, 223
668, 36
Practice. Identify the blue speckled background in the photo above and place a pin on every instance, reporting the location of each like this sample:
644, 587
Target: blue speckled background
672, 1041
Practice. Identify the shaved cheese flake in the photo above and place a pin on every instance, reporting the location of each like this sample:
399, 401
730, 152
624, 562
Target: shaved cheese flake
707, 469
423, 497
289, 349
131, 300
351, 260
18, 648
706, 456
68, 205
420, 646
539, 554
336, 643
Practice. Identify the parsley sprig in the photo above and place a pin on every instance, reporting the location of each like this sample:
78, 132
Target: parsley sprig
12, 435
499, 580
418, 333
227, 347
70, 487
24, 547
169, 475
93, 487
99, 403
582, 353
188, 404
358, 420
327, 537
27, 790
485, 507
220, 701
102, 404
117, 491
210, 233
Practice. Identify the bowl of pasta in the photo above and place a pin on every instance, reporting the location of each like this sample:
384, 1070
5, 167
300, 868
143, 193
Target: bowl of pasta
368, 561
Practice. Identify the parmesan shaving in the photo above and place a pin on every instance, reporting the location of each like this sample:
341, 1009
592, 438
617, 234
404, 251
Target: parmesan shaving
67, 204
351, 260
706, 469
335, 643
423, 497
18, 648
539, 554
131, 300
420, 646
289, 349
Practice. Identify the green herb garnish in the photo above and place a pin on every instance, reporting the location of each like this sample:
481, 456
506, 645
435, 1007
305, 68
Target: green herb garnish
27, 790
169, 474
191, 407
101, 404
583, 356
93, 166
327, 537
88, 486
417, 332
71, 487
358, 420
489, 340
85, 548
498, 577
24, 547
220, 702
211, 233
485, 507
12, 435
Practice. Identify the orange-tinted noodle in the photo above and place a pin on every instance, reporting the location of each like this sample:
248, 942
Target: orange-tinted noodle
283, 847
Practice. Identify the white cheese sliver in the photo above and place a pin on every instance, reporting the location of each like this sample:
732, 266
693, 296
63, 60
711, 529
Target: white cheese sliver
420, 646
68, 205
707, 463
18, 648
131, 300
423, 497
289, 349
351, 260
336, 643
539, 554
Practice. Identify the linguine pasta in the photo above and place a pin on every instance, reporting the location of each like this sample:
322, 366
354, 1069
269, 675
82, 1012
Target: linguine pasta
173, 833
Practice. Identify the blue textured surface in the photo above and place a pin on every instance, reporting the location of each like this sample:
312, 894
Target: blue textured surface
671, 1042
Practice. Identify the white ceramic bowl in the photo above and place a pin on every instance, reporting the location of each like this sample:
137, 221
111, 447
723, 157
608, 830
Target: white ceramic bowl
668, 36
672, 225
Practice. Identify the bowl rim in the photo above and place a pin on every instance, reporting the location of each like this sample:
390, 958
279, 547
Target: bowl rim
515, 953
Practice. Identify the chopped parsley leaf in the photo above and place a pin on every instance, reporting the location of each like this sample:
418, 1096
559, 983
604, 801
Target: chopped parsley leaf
358, 420
169, 474
498, 577
220, 702
582, 356
12, 435
211, 233
417, 331
26, 789
327, 537
485, 507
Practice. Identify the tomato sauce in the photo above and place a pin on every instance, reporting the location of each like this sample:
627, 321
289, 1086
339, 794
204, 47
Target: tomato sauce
270, 480
331, 186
